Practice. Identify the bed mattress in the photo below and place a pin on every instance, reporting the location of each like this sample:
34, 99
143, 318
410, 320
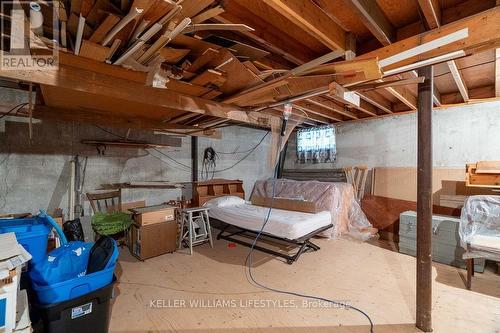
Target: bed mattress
282, 223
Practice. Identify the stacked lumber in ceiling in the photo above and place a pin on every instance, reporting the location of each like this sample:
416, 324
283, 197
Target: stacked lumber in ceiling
176, 47
184, 48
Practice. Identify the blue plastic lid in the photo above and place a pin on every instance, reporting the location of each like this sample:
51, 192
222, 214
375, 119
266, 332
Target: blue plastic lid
25, 227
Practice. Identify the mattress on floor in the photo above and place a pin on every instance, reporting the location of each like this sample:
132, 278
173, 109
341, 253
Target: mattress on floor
282, 223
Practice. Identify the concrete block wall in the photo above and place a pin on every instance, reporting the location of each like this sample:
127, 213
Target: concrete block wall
461, 135
36, 174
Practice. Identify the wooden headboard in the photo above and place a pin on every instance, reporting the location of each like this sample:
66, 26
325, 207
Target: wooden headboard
206, 190
286, 204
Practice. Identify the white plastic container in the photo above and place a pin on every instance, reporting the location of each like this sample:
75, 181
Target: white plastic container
8, 304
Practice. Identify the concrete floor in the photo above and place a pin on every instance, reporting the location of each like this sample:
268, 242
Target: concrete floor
209, 292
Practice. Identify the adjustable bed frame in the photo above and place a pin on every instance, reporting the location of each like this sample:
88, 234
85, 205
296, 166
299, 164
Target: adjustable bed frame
303, 243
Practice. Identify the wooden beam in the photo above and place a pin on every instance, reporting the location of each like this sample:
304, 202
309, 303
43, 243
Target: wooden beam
331, 106
208, 14
497, 72
475, 94
248, 93
313, 20
271, 39
367, 108
404, 96
483, 34
99, 84
377, 100
432, 12
49, 113
436, 96
424, 203
217, 26
375, 20
459, 81
314, 109
475, 40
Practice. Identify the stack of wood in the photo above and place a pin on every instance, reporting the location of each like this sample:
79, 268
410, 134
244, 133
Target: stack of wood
173, 43
483, 174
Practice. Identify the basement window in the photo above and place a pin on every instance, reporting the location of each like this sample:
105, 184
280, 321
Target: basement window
316, 145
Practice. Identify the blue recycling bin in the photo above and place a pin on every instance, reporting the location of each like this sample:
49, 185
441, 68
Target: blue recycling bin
64, 274
32, 233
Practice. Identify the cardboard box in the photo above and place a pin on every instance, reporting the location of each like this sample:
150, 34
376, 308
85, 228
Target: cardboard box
153, 240
153, 214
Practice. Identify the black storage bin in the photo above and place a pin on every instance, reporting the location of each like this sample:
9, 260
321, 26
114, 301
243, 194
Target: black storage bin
90, 312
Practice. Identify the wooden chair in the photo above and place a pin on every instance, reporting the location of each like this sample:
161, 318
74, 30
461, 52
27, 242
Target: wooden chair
106, 201
356, 176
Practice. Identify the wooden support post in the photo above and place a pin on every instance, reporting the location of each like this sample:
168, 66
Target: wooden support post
194, 158
424, 201
281, 161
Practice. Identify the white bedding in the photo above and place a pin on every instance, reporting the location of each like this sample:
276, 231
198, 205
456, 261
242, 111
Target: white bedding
282, 223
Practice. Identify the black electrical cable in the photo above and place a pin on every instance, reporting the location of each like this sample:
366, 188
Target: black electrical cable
188, 168
244, 157
209, 163
109, 132
250, 151
242, 151
18, 107
285, 292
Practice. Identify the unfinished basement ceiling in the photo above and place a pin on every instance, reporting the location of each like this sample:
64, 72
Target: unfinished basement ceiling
260, 40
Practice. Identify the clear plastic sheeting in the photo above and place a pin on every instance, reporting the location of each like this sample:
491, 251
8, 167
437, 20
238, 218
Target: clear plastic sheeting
480, 227
337, 198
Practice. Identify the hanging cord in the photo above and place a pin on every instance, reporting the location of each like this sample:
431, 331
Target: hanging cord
209, 163
188, 168
249, 261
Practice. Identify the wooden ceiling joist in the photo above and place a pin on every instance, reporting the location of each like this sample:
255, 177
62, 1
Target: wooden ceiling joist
273, 39
375, 20
432, 12
436, 96
404, 95
96, 83
367, 108
313, 20
459, 81
316, 113
483, 33
270, 58
331, 105
377, 100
